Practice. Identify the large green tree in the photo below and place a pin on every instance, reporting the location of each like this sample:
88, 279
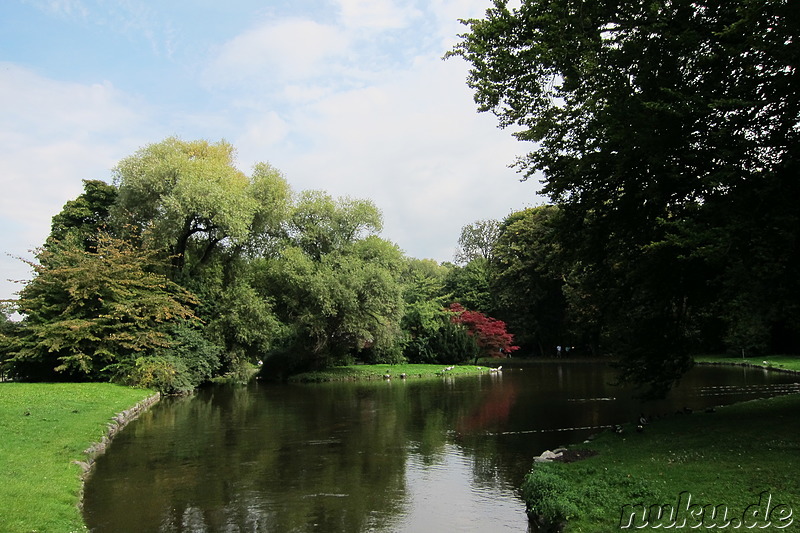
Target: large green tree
188, 198
320, 224
188, 201
89, 312
477, 241
336, 285
528, 278
667, 131
85, 215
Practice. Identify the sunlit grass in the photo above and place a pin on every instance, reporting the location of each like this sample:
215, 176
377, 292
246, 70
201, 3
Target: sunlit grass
44, 427
728, 457
400, 371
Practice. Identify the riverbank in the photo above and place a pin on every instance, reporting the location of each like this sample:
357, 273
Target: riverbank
736, 459
44, 430
788, 363
389, 372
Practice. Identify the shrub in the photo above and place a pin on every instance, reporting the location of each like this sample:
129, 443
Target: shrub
549, 498
165, 374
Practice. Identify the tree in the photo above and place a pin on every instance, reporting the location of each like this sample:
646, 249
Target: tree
8, 334
188, 198
469, 284
489, 333
528, 280
425, 316
344, 305
85, 215
85, 311
320, 224
650, 120
477, 240
336, 285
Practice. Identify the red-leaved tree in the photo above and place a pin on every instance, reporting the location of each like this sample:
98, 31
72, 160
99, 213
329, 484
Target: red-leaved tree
490, 333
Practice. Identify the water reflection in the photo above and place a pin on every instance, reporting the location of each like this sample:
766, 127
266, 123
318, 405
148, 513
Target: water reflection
349, 457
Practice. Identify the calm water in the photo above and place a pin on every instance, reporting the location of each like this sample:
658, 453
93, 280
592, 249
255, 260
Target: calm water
398, 456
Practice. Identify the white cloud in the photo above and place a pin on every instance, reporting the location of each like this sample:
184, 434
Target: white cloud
358, 105
54, 134
376, 14
278, 51
414, 145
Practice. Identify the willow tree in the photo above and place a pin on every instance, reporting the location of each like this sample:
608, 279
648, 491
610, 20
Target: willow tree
188, 201
188, 197
336, 285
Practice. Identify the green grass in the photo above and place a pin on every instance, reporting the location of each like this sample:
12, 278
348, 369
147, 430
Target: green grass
784, 362
728, 457
367, 372
44, 427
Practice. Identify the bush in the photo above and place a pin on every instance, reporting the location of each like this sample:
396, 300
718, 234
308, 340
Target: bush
549, 498
198, 357
190, 361
449, 344
165, 374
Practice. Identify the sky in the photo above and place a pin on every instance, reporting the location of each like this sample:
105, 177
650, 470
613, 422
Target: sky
347, 96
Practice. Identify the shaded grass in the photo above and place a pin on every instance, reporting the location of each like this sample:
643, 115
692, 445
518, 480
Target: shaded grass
777, 362
43, 428
728, 458
368, 372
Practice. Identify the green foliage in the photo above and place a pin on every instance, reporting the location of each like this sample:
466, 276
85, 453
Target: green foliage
452, 344
188, 198
529, 272
85, 215
164, 374
341, 303
548, 496
8, 334
86, 310
189, 361
320, 224
469, 285
477, 241
667, 134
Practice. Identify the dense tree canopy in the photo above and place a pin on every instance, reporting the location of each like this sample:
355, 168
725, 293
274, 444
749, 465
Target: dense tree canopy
189, 199
477, 241
528, 280
667, 132
87, 311
186, 268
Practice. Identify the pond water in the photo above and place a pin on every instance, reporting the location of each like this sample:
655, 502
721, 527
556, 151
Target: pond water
394, 456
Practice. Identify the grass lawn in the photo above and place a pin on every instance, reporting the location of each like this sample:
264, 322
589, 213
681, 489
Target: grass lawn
727, 458
780, 362
365, 372
43, 428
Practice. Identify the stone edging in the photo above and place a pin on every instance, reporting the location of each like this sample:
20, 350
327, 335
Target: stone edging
118, 422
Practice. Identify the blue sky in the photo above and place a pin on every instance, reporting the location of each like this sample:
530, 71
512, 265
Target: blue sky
347, 96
